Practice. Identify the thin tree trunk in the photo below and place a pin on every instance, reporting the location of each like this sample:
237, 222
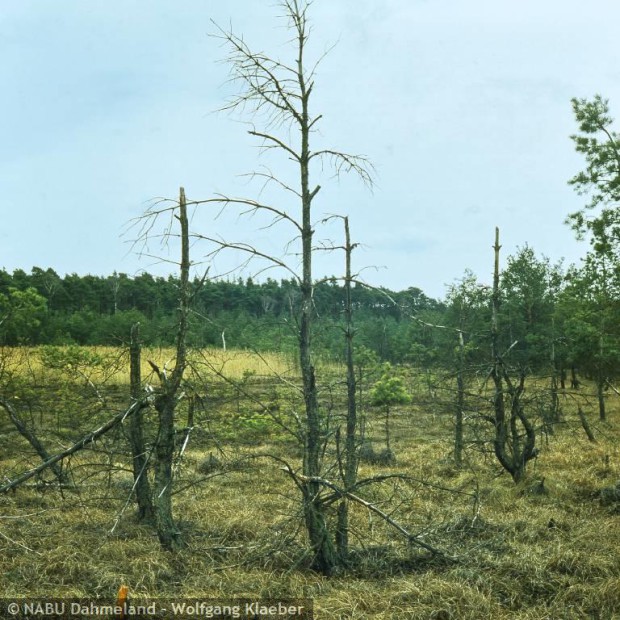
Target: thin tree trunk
388, 449
136, 435
165, 404
585, 425
460, 404
167, 531
320, 538
499, 441
600, 395
350, 450
555, 400
511, 451
600, 379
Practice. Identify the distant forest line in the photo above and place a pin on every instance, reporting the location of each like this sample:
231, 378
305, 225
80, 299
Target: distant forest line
100, 310
551, 319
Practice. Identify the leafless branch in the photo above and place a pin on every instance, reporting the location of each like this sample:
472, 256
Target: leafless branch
271, 178
254, 206
343, 162
412, 538
78, 445
246, 247
277, 143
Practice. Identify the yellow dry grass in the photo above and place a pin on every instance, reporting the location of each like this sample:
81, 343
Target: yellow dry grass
232, 363
518, 554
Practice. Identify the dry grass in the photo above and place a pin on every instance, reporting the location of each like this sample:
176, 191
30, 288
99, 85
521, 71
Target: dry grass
518, 554
232, 363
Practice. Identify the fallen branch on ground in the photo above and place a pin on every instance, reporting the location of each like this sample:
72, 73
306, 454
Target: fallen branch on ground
79, 445
412, 538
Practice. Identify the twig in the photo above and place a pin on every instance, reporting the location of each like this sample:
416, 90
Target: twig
412, 538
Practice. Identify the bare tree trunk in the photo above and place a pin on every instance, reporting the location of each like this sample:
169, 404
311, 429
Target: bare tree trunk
523, 448
585, 425
600, 396
388, 448
165, 404
318, 532
136, 435
350, 449
167, 531
554, 412
282, 92
600, 379
460, 404
500, 439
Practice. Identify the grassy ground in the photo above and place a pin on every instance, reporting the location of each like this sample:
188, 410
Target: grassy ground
533, 551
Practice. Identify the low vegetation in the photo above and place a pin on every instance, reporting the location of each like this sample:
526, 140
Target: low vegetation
542, 548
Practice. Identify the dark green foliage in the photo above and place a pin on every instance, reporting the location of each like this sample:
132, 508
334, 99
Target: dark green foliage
529, 289
601, 179
21, 313
96, 310
388, 391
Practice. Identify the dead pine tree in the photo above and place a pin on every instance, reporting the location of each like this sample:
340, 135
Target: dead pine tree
166, 402
348, 465
281, 92
515, 435
168, 393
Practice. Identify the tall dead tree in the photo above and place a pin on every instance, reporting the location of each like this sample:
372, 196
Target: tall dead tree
167, 398
167, 395
349, 467
282, 92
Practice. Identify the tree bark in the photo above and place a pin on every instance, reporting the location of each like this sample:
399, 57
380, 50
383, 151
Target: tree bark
585, 425
554, 414
165, 404
136, 435
600, 396
351, 439
283, 92
460, 404
320, 537
600, 378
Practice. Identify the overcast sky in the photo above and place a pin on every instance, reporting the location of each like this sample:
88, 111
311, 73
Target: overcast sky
463, 107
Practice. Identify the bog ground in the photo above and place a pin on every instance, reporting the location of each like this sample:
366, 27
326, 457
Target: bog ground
547, 548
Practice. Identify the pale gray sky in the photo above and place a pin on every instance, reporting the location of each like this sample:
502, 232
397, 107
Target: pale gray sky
464, 108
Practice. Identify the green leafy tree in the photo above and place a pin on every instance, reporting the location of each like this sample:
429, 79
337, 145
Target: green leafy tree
591, 309
21, 313
600, 180
529, 289
467, 310
387, 392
